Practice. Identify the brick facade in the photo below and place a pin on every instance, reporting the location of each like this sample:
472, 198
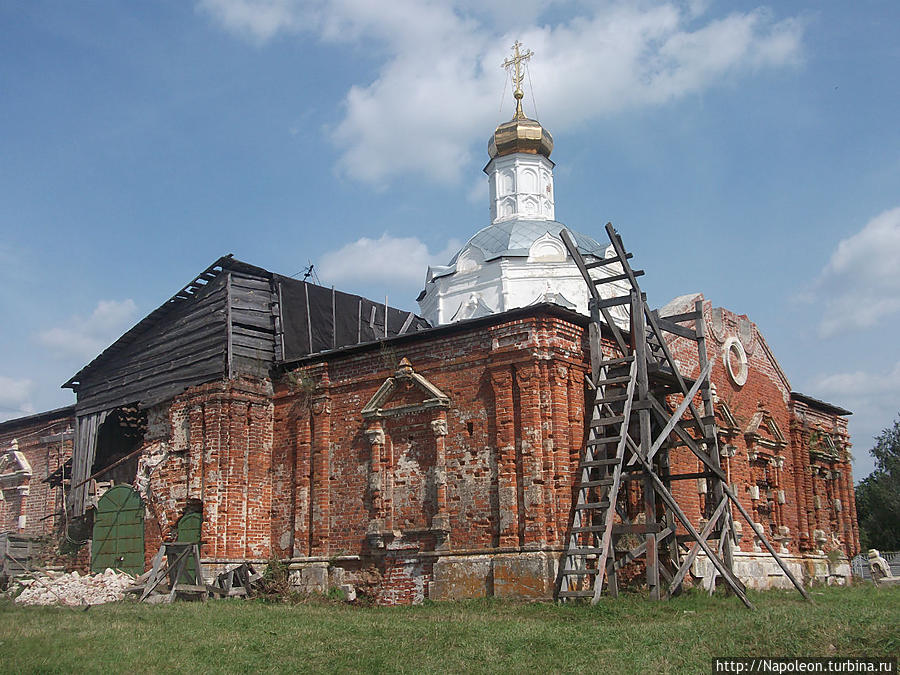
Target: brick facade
445, 460
31, 449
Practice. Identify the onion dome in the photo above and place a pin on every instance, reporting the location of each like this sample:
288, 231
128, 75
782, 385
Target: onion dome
520, 134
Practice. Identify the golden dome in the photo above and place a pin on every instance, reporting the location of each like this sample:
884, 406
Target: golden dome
520, 134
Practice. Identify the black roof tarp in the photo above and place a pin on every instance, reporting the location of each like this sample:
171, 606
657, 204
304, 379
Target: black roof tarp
315, 319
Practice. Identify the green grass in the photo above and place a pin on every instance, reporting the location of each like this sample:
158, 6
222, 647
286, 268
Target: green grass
629, 634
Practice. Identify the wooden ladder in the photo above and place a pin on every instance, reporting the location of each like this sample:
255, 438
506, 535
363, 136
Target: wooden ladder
589, 546
618, 443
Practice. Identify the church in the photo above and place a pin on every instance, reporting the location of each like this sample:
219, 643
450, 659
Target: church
411, 456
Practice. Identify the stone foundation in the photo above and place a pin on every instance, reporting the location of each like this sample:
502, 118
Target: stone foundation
760, 571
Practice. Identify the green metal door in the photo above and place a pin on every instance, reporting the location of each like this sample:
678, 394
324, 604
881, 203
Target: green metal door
189, 533
119, 531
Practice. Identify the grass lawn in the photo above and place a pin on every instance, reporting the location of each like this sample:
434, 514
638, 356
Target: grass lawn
629, 634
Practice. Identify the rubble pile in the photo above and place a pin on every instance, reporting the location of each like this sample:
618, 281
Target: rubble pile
60, 588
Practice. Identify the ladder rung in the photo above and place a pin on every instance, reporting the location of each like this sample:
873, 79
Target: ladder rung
613, 380
604, 441
575, 594
595, 483
606, 261
610, 399
607, 421
574, 572
618, 277
613, 302
591, 528
598, 462
622, 360
592, 506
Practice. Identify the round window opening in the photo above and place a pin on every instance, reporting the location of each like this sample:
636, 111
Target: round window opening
735, 359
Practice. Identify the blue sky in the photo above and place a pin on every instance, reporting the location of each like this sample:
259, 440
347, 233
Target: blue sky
750, 152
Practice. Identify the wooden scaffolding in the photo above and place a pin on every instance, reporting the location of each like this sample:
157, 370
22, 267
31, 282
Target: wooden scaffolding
642, 407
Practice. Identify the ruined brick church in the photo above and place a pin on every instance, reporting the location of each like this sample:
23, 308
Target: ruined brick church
271, 418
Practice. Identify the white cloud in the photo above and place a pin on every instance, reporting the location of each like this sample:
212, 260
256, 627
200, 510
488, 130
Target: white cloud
396, 261
439, 78
85, 337
874, 399
15, 397
859, 383
860, 285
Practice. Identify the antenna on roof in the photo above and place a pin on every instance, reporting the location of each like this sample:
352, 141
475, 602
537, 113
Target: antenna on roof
309, 271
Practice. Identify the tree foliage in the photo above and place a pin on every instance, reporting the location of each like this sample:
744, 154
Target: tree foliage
878, 495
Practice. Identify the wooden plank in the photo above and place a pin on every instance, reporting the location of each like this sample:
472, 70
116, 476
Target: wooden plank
254, 296
678, 318
124, 362
667, 497
261, 320
605, 261
675, 329
202, 371
615, 301
252, 366
181, 367
618, 277
159, 361
179, 323
251, 305
695, 549
266, 354
243, 339
253, 321
407, 323
250, 283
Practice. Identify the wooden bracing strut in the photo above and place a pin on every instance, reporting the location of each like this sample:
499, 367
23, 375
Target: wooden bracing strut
632, 427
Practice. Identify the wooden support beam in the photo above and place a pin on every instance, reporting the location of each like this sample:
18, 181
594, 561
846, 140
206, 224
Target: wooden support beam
692, 555
667, 497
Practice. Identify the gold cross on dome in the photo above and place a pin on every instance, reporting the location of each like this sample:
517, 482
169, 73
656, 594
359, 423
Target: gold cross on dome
516, 71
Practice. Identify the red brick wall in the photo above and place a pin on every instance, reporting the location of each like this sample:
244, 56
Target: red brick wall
516, 406
829, 502
787, 469
38, 502
299, 471
217, 449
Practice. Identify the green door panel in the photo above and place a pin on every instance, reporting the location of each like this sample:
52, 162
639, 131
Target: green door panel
189, 532
118, 540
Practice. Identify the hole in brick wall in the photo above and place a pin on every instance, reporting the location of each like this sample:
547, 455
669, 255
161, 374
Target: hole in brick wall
470, 427
120, 435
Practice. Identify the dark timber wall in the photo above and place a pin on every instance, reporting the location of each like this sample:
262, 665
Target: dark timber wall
186, 345
251, 325
219, 326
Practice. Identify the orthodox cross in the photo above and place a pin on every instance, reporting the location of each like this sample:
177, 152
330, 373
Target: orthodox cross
514, 66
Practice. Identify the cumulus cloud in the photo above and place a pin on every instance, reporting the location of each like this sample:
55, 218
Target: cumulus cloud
386, 261
83, 337
874, 399
439, 77
15, 397
860, 285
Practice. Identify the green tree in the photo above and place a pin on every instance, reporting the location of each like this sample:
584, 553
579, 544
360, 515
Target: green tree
878, 495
